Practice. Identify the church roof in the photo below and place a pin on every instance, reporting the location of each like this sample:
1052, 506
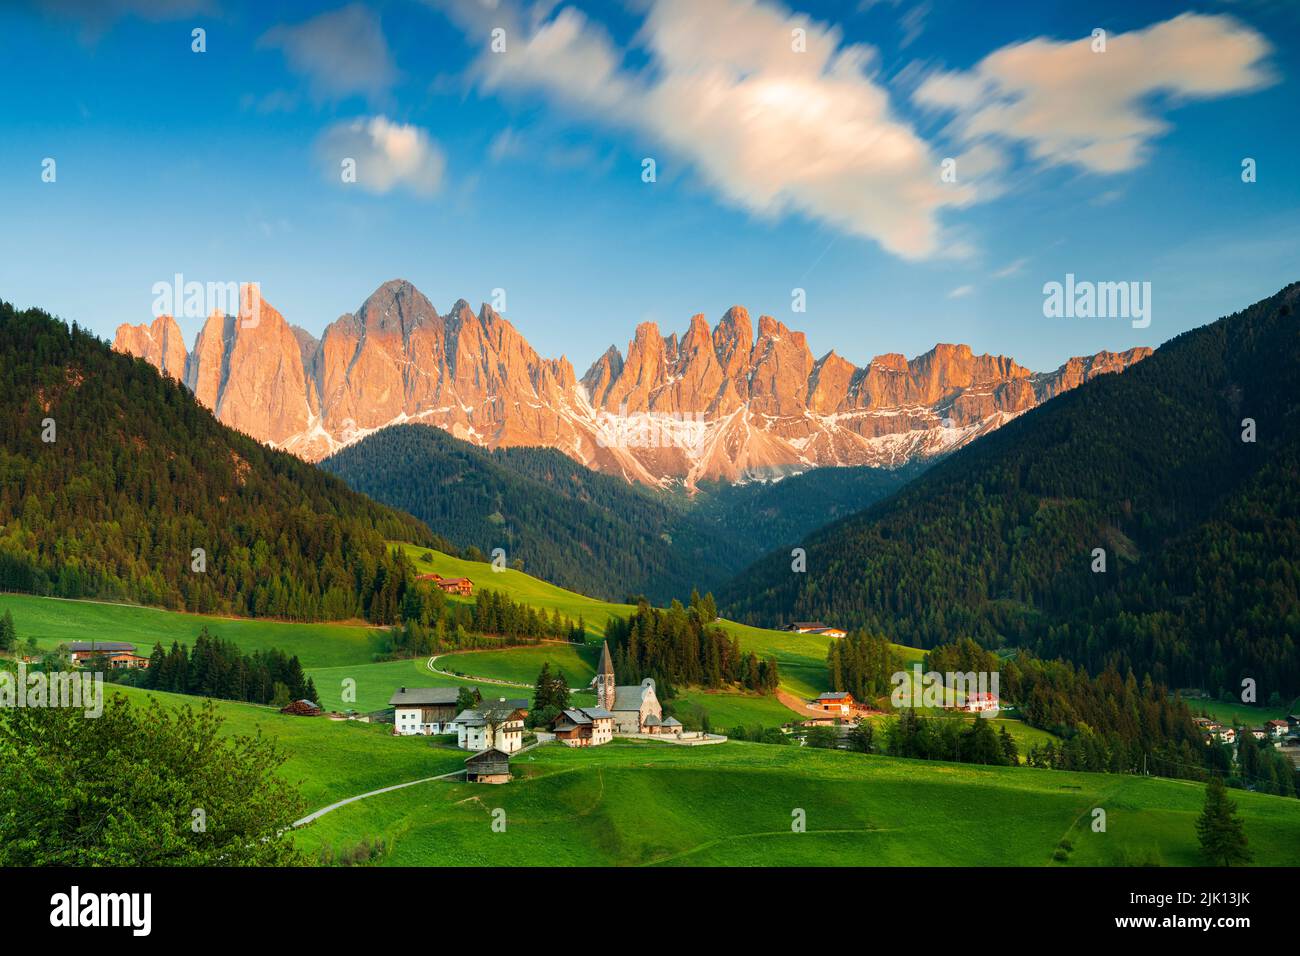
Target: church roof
606, 665
672, 722
628, 698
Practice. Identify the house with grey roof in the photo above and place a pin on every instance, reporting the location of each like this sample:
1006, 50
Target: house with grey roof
488, 726
424, 710
584, 727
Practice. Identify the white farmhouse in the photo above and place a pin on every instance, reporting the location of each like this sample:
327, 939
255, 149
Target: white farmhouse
424, 710
499, 727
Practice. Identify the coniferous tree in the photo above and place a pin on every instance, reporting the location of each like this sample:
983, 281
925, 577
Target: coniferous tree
1222, 836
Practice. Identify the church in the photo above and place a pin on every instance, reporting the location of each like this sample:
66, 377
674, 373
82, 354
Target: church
635, 707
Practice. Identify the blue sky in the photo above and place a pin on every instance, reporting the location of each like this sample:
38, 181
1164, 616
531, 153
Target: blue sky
776, 169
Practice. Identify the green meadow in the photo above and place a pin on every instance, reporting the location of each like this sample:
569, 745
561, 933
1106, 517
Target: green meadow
1236, 714
631, 803
327, 759
521, 664
53, 621
801, 658
638, 804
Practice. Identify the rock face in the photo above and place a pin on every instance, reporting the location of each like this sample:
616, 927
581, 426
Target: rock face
713, 404
160, 344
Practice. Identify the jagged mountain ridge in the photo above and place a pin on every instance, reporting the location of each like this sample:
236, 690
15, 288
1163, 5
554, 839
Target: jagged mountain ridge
714, 404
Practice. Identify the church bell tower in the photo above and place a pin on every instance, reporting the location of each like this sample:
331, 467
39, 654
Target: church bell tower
605, 680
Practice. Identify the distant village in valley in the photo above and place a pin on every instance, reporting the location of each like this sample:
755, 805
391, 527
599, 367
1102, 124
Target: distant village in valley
493, 729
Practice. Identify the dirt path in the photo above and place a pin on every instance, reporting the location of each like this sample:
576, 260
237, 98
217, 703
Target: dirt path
317, 814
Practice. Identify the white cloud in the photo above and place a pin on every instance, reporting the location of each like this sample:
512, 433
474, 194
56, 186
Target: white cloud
961, 292
771, 130
388, 155
1071, 105
1011, 269
342, 52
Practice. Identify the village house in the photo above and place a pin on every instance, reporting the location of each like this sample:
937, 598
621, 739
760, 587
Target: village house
584, 727
125, 660
635, 707
1276, 728
424, 710
490, 726
979, 702
815, 627
83, 652
488, 766
839, 702
521, 704
462, 586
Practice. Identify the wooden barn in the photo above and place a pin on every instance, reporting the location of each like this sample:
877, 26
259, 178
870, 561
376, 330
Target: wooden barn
488, 766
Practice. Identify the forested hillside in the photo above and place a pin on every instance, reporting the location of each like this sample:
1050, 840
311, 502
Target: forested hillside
1199, 527
111, 476
591, 532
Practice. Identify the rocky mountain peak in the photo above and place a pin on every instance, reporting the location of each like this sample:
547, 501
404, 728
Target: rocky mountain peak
734, 404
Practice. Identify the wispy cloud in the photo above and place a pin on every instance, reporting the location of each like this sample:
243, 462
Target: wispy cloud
388, 155
773, 127
1010, 269
961, 291
1069, 104
342, 53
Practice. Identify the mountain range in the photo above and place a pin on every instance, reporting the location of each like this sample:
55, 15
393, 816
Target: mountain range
714, 404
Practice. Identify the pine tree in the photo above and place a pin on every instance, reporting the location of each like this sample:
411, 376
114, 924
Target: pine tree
542, 693
8, 634
1222, 836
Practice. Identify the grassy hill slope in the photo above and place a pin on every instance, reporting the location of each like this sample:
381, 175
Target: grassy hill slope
111, 475
631, 804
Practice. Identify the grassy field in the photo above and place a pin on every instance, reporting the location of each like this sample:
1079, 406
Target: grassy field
521, 664
801, 658
53, 621
1241, 715
329, 760
651, 804
729, 710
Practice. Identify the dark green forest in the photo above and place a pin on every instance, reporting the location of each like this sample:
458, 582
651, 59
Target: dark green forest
590, 532
1199, 527
684, 646
138, 475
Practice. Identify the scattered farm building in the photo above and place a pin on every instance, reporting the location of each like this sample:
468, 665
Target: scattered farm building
462, 586
815, 627
83, 652
979, 702
485, 728
584, 727
424, 710
488, 766
838, 702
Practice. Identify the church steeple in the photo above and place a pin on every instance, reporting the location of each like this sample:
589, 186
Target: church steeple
605, 680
